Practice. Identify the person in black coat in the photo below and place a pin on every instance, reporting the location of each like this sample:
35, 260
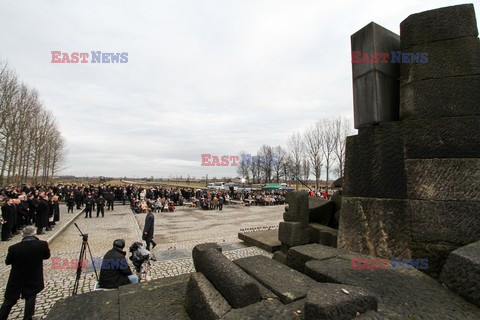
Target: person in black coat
89, 202
26, 275
100, 206
148, 229
115, 270
43, 209
7, 214
70, 202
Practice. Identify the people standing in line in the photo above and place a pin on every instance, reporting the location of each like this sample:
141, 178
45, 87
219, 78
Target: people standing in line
26, 275
148, 229
100, 206
89, 203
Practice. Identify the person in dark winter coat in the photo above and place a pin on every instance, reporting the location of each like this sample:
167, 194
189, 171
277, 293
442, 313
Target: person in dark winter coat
26, 275
70, 203
42, 214
148, 229
89, 202
115, 270
100, 206
7, 215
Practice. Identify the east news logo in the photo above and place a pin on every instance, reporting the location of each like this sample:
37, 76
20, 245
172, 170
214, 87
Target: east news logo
96, 57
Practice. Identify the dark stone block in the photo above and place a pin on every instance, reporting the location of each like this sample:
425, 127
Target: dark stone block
268, 309
264, 239
203, 301
297, 209
323, 235
298, 256
321, 210
284, 248
448, 58
375, 85
293, 233
336, 301
375, 158
436, 254
439, 24
401, 293
280, 257
461, 273
377, 97
97, 305
378, 227
238, 288
444, 179
442, 138
289, 285
165, 297
199, 249
453, 222
442, 97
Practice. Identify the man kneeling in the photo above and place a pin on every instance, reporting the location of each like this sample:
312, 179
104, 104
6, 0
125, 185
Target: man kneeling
115, 271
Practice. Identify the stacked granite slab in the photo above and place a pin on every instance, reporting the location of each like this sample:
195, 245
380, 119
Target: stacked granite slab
412, 187
461, 272
258, 287
401, 293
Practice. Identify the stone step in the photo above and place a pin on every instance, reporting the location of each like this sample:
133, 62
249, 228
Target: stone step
264, 239
288, 284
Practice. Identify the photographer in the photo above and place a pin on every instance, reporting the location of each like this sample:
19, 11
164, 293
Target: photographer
115, 271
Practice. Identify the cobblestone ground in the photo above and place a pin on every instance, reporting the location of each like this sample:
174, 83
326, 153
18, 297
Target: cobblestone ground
176, 234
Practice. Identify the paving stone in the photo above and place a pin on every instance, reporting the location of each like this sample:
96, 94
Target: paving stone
461, 272
293, 285
438, 24
336, 301
203, 301
401, 293
232, 282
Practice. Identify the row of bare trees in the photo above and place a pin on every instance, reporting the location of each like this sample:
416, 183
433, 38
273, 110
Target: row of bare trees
31, 146
320, 149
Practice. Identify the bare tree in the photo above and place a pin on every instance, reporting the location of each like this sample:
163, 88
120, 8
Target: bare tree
296, 149
243, 169
281, 157
327, 134
30, 142
342, 127
313, 150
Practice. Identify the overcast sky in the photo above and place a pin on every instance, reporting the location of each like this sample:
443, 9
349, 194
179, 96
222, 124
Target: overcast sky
209, 76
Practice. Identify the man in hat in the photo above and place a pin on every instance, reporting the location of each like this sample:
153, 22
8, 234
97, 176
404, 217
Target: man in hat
26, 275
115, 270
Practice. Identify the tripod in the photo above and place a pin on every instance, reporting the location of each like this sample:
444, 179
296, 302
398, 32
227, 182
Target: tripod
82, 259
